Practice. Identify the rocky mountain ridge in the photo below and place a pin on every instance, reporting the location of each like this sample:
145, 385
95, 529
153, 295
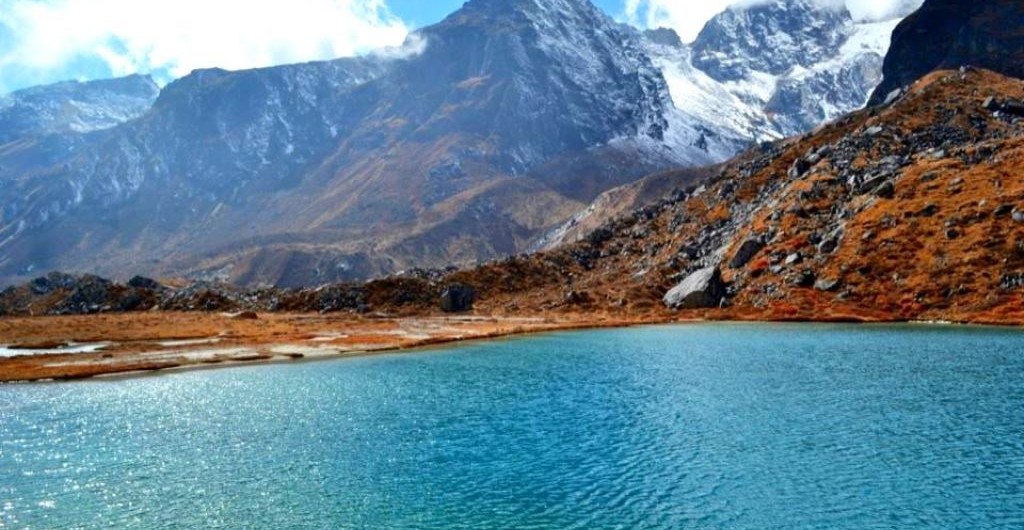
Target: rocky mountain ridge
345, 169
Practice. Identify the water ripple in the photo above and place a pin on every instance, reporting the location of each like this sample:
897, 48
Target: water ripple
703, 426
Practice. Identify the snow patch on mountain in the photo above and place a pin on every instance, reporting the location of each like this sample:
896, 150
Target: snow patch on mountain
770, 70
73, 107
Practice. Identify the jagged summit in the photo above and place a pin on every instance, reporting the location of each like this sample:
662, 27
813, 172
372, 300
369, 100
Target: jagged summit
776, 36
546, 75
771, 70
528, 8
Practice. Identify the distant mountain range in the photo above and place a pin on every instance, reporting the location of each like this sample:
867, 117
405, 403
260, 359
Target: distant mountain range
477, 139
74, 107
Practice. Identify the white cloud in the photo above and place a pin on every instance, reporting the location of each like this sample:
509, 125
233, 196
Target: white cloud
688, 17
176, 37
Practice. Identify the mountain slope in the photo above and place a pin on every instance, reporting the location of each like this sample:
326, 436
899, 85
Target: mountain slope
763, 71
912, 212
908, 212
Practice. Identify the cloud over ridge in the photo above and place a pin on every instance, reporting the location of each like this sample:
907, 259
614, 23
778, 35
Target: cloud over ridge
174, 38
688, 17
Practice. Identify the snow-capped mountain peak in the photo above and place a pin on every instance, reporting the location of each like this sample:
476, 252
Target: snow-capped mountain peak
770, 37
773, 69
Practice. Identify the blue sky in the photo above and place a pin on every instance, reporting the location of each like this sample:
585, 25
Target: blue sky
422, 12
44, 41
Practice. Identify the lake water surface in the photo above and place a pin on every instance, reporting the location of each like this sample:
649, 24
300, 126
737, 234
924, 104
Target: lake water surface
716, 426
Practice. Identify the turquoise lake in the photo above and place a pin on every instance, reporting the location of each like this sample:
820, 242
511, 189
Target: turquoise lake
710, 426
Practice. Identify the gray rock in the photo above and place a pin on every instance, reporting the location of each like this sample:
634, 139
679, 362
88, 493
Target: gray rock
887, 190
892, 97
141, 282
806, 278
826, 285
1012, 280
869, 185
1018, 215
1013, 108
929, 210
800, 168
746, 252
702, 289
829, 244
457, 298
794, 259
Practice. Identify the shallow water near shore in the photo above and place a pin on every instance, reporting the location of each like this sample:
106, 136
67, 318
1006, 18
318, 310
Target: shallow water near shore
730, 426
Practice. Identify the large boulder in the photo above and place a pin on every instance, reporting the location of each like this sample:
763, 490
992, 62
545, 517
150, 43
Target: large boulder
457, 298
702, 289
746, 252
141, 282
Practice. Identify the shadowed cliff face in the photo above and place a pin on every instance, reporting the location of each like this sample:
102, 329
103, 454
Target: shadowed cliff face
954, 33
